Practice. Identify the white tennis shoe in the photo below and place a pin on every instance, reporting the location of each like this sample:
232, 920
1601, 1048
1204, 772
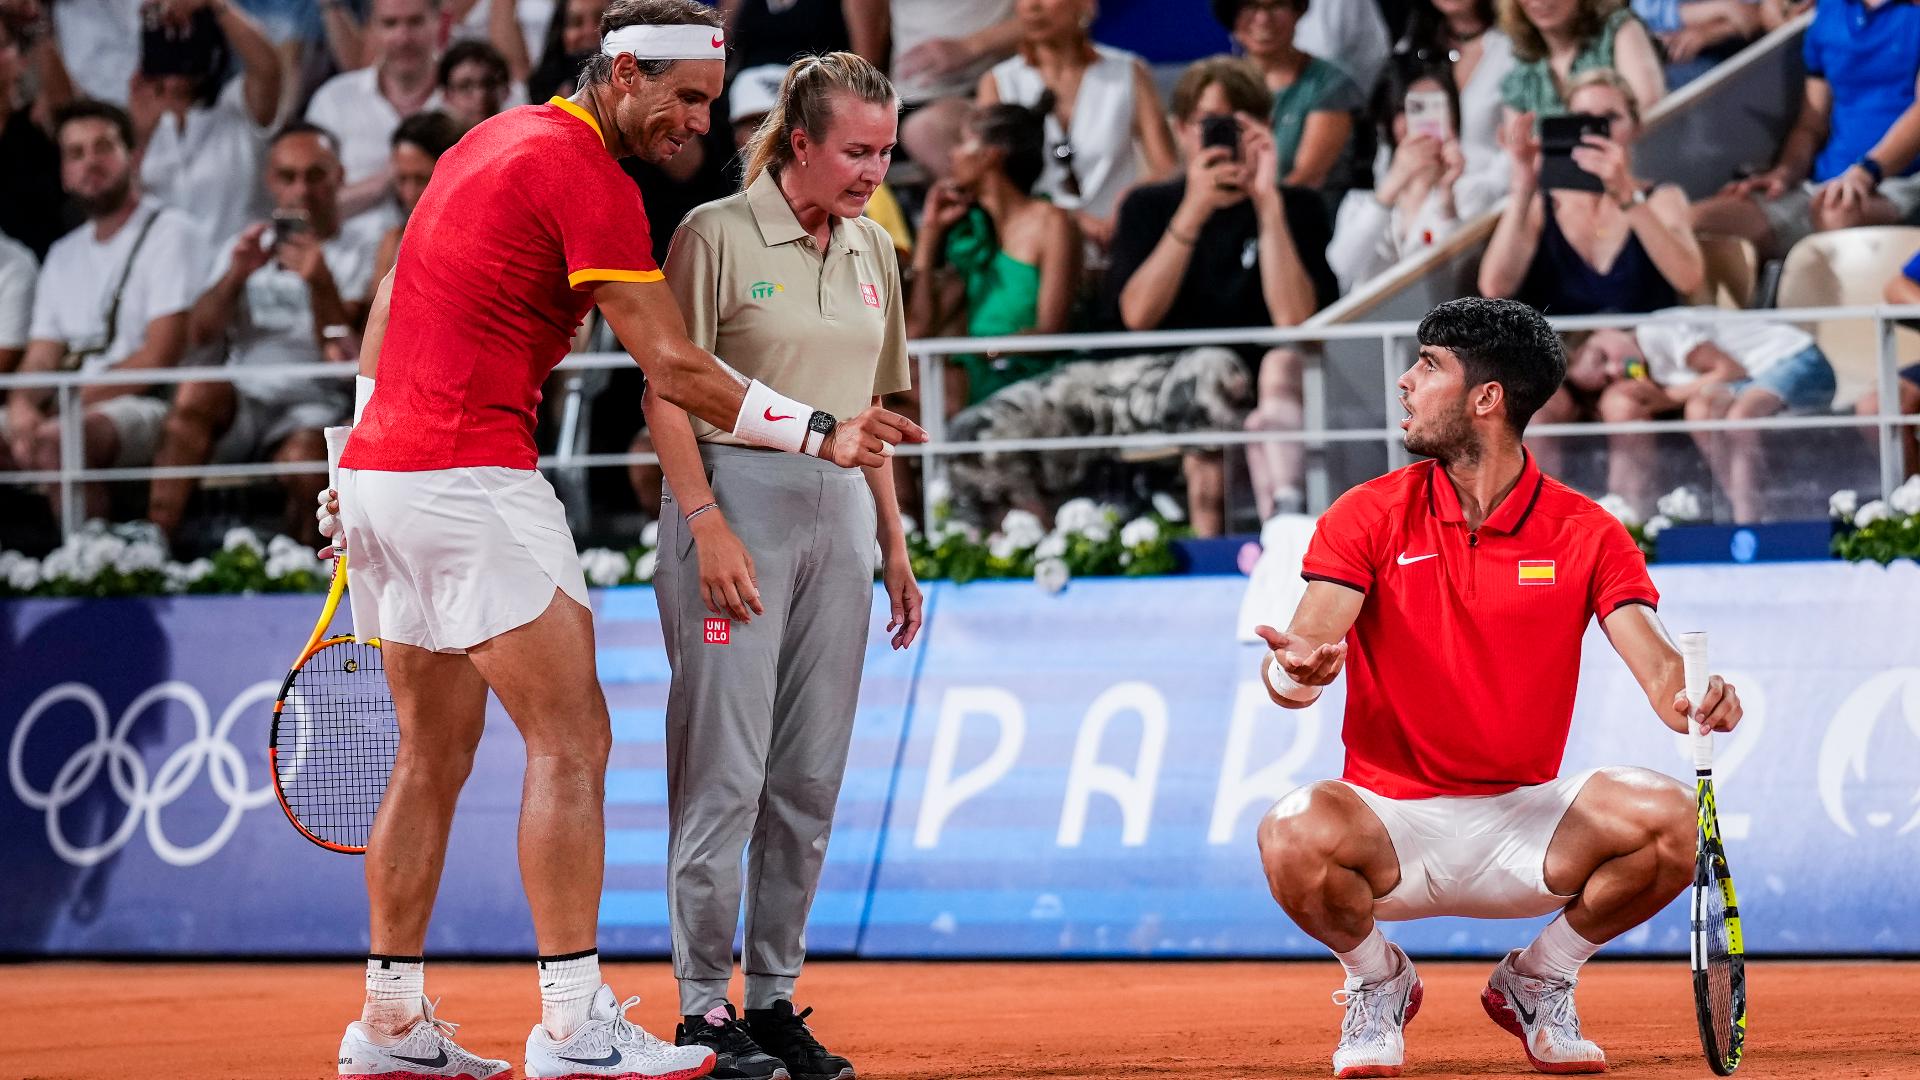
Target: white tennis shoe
426, 1051
611, 1047
1541, 1013
1371, 1043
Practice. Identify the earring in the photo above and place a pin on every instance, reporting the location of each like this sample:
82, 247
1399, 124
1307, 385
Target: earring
803, 163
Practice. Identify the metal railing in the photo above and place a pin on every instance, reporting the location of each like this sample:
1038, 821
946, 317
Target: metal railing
930, 355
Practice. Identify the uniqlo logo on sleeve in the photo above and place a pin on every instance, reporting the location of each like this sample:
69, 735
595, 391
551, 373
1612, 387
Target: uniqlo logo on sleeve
719, 631
869, 294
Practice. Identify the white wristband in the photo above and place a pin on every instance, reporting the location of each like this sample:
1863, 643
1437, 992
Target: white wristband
772, 420
1282, 684
362, 393
811, 447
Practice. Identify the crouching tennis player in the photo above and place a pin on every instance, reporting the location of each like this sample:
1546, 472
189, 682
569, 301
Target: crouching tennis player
1455, 593
460, 553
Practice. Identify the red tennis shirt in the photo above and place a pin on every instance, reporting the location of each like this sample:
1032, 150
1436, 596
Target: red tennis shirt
1462, 665
521, 220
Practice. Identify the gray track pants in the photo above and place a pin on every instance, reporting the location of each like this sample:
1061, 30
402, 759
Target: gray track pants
758, 727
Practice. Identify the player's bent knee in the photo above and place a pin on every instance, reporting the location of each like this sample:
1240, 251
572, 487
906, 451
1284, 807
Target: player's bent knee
1307, 826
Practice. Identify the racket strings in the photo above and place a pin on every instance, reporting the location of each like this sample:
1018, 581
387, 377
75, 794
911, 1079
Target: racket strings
1722, 995
338, 738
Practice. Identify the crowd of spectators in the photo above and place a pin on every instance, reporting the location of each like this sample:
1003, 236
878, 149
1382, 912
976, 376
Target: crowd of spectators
224, 181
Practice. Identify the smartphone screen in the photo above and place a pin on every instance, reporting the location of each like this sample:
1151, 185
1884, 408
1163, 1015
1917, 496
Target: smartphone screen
1220, 130
1559, 135
1429, 115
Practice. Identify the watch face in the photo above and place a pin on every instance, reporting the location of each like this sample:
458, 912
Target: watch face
822, 422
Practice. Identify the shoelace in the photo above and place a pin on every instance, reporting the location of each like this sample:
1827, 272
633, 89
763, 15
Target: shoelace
627, 1030
802, 1036
733, 1037
445, 1027
1560, 1013
1366, 1007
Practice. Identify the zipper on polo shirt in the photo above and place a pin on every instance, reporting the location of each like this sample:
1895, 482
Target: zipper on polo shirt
1473, 558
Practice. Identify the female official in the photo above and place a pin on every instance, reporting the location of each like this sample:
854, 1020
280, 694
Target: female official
765, 581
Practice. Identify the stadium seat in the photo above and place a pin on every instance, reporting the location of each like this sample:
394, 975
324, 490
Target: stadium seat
1843, 268
1733, 266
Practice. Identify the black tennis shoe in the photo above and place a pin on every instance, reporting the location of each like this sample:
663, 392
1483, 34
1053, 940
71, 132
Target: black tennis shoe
737, 1056
784, 1034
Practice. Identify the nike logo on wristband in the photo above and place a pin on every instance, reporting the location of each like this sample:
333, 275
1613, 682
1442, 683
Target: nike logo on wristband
772, 419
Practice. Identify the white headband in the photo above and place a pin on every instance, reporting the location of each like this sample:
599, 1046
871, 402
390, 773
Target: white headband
679, 42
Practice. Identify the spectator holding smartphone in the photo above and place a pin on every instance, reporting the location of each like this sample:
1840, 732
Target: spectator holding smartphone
1622, 245
292, 290
1421, 198
202, 136
1462, 37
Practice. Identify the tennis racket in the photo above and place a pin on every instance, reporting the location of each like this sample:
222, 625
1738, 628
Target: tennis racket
334, 732
1719, 959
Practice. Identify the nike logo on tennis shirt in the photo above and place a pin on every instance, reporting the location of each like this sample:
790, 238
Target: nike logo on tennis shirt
612, 1059
438, 1062
772, 419
1405, 561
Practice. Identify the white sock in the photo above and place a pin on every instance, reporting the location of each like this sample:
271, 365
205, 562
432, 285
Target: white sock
567, 986
1370, 961
1557, 953
395, 987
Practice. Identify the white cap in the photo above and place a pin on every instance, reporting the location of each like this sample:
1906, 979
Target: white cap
755, 91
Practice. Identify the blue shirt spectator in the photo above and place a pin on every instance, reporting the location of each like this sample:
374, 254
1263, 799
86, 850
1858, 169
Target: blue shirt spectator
1870, 56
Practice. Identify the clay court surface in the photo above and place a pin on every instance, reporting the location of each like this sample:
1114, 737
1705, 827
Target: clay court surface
919, 1021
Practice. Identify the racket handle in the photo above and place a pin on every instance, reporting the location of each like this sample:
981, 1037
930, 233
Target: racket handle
1693, 662
336, 445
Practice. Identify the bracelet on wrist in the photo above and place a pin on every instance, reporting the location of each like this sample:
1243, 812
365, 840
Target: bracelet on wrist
1872, 168
701, 509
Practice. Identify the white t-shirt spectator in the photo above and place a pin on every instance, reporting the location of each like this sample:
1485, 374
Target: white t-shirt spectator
1480, 113
100, 44
352, 108
1669, 336
1369, 238
210, 165
915, 21
77, 282
273, 322
532, 15
18, 269
1104, 161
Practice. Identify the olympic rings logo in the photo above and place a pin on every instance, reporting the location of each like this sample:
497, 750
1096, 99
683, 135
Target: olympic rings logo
144, 795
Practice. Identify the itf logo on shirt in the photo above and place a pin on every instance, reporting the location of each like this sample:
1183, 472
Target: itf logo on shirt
761, 290
869, 295
719, 631
1532, 572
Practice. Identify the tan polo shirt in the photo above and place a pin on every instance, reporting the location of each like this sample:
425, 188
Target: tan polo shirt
755, 291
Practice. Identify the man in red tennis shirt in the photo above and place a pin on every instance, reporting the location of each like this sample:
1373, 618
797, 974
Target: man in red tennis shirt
1455, 593
461, 557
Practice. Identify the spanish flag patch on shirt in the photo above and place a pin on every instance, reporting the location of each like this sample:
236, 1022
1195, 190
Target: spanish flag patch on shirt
1536, 571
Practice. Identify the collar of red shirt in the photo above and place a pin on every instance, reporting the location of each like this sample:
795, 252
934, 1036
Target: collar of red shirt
1444, 503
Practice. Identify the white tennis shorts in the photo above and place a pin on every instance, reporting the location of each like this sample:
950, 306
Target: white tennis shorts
448, 558
1480, 856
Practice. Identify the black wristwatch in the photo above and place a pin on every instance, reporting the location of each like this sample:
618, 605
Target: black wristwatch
1872, 168
819, 426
